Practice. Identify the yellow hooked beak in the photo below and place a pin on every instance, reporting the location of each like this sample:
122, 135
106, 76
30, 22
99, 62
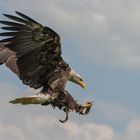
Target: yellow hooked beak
82, 84
76, 78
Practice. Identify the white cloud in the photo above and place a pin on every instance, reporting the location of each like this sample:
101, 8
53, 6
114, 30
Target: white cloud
133, 130
46, 127
83, 131
89, 131
37, 122
11, 132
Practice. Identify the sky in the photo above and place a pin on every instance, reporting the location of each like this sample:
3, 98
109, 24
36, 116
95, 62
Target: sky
100, 40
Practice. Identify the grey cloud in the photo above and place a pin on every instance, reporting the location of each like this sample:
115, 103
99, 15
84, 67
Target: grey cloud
11, 131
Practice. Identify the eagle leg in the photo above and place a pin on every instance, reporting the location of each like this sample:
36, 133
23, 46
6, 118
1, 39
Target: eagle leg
67, 113
85, 108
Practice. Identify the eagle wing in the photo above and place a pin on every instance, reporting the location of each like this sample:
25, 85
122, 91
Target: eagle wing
8, 58
37, 48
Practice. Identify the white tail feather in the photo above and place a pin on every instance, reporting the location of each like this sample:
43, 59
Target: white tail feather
34, 99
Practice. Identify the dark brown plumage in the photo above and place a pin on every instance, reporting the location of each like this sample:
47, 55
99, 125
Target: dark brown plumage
33, 52
38, 49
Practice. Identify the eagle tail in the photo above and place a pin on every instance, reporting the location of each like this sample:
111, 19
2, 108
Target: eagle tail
34, 99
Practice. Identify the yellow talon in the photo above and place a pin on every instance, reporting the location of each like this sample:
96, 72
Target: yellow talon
86, 105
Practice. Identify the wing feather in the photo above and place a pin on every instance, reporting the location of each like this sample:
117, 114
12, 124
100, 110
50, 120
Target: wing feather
8, 34
37, 48
17, 19
28, 18
11, 28
14, 24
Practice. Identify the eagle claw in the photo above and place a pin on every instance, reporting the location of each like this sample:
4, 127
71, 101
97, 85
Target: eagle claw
85, 108
65, 120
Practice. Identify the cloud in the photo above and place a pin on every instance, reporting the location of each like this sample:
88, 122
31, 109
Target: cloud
38, 122
133, 130
89, 131
37, 126
84, 131
11, 131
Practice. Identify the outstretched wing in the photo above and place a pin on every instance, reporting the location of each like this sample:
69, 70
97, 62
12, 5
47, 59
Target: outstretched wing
8, 58
37, 48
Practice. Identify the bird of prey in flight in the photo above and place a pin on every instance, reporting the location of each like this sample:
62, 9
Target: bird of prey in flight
33, 52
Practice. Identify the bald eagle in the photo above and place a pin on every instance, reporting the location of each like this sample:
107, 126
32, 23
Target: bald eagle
33, 52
